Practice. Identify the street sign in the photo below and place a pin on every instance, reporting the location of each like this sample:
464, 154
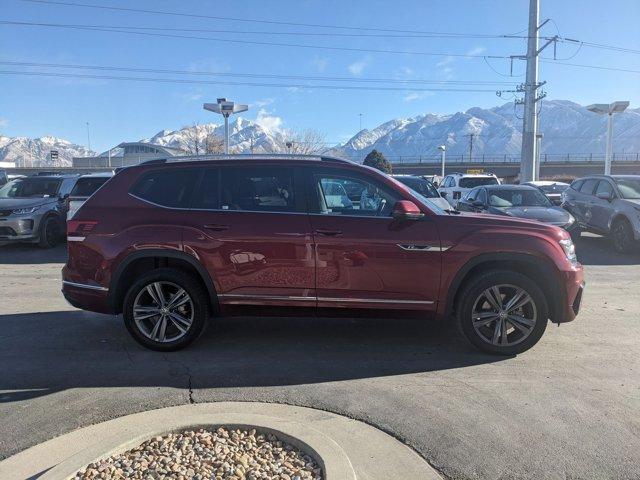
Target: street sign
54, 154
475, 171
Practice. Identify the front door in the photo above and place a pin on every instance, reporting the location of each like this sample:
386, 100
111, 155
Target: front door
250, 228
364, 257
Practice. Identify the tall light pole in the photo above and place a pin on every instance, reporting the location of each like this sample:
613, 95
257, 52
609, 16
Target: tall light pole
539, 137
443, 150
88, 139
360, 116
609, 110
225, 108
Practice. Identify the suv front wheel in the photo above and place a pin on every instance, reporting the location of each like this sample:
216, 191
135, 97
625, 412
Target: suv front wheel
165, 309
502, 312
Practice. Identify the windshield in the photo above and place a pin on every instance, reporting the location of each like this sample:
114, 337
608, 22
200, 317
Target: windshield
472, 182
31, 188
629, 188
420, 185
517, 198
85, 187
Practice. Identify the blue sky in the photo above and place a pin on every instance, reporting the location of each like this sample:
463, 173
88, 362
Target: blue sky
122, 110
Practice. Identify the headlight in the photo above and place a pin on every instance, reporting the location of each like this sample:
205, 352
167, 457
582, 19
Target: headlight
570, 221
569, 250
26, 210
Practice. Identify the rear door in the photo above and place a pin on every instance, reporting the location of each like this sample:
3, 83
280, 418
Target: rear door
249, 226
602, 209
584, 200
364, 257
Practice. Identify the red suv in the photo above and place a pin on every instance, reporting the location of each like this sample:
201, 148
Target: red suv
170, 244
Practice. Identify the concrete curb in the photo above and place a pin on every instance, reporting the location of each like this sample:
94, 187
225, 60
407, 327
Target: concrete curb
347, 449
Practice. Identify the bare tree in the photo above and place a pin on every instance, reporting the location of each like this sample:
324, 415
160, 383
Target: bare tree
304, 142
214, 144
193, 143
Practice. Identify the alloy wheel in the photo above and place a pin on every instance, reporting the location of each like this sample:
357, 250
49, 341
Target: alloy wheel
620, 236
504, 315
163, 311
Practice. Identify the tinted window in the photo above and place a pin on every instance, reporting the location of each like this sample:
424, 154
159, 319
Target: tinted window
482, 196
31, 187
169, 188
470, 182
471, 195
604, 187
207, 196
588, 186
353, 196
577, 184
257, 189
629, 187
86, 186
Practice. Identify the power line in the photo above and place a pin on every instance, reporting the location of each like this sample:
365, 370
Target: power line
338, 27
596, 67
255, 75
250, 84
248, 42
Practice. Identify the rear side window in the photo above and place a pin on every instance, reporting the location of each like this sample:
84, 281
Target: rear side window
588, 186
85, 187
471, 182
257, 189
168, 188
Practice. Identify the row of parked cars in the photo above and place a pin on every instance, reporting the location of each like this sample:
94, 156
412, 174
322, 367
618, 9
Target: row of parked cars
607, 205
36, 208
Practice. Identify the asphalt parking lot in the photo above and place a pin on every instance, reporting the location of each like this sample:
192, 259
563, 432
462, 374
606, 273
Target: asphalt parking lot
568, 409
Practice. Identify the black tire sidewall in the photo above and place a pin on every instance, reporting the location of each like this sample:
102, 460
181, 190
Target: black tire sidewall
629, 233
191, 286
43, 241
480, 283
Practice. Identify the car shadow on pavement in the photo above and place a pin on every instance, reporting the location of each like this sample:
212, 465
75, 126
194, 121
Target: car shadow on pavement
597, 250
42, 353
27, 253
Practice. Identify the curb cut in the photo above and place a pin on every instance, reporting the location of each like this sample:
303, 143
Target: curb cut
346, 449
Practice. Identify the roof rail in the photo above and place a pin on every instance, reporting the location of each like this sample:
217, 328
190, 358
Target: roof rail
153, 161
248, 156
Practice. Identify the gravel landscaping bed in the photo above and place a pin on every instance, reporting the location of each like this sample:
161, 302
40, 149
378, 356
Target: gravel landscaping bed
203, 455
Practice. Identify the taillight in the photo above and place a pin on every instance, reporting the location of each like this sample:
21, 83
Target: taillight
80, 227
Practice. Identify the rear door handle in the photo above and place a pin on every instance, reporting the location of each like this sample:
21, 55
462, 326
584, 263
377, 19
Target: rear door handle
216, 227
328, 233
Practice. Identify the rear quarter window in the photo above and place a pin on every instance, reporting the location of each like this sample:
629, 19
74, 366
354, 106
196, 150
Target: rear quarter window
472, 182
168, 188
85, 187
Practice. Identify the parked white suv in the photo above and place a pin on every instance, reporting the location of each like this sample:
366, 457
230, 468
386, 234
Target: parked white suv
455, 185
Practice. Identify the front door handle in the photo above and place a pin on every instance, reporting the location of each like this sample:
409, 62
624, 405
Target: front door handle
216, 227
328, 233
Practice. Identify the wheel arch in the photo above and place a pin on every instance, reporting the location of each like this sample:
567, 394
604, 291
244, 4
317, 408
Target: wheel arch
151, 259
540, 270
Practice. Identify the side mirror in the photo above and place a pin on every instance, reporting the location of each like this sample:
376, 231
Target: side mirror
406, 210
443, 194
604, 196
64, 197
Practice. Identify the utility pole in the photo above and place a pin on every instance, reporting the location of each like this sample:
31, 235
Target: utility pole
470, 135
88, 139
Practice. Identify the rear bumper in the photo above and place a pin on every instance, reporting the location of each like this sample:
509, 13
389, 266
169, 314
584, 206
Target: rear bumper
571, 302
93, 298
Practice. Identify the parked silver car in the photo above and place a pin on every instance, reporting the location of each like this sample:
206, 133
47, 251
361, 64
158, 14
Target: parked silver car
607, 205
84, 188
34, 209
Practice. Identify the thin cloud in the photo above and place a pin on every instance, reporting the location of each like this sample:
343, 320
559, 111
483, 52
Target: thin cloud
320, 63
414, 96
266, 120
356, 68
4, 122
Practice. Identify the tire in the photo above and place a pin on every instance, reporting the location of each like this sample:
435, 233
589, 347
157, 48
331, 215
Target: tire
531, 318
621, 235
190, 316
50, 233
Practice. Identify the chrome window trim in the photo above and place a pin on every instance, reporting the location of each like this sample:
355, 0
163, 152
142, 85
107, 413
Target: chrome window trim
423, 248
84, 285
266, 297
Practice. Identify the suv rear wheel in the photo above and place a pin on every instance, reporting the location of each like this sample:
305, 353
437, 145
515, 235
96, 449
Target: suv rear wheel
165, 309
502, 312
622, 236
50, 233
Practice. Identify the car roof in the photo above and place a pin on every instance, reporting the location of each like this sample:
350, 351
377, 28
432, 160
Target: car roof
543, 183
509, 187
55, 177
97, 175
488, 174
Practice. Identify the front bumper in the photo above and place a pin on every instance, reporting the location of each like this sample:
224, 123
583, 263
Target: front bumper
572, 299
19, 228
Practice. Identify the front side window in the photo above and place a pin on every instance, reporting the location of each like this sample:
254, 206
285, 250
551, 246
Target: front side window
471, 195
604, 187
168, 188
576, 185
588, 186
257, 189
31, 187
353, 196
482, 196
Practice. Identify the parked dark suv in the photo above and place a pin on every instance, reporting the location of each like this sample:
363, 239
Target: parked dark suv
171, 243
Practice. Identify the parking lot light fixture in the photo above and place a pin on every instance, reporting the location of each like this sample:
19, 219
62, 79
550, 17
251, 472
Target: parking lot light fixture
226, 108
608, 109
443, 150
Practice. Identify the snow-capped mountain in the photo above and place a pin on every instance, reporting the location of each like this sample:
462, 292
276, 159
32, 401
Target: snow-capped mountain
34, 152
244, 136
568, 128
